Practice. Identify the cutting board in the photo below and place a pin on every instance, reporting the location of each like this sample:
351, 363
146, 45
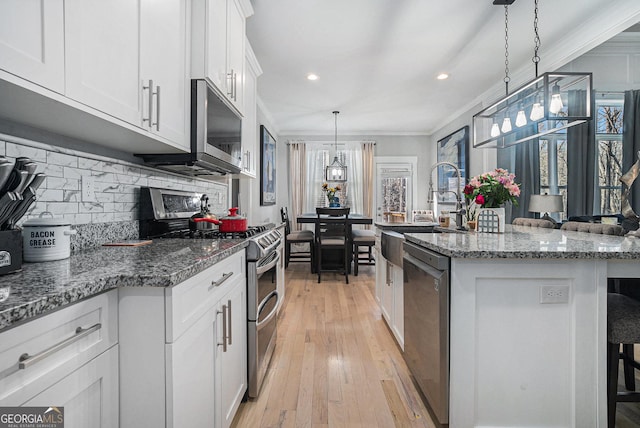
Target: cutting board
129, 243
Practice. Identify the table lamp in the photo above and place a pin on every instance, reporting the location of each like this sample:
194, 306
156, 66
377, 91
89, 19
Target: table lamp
546, 204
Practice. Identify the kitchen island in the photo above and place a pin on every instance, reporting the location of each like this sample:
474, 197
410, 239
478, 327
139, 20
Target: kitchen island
528, 329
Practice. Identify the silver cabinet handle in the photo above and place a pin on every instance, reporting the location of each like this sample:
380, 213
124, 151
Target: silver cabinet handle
150, 101
26, 360
235, 87
230, 87
157, 94
224, 328
229, 322
219, 282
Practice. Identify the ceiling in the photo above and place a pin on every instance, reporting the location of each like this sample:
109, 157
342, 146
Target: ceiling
377, 60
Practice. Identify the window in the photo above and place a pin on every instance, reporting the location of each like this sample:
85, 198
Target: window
319, 155
553, 167
609, 112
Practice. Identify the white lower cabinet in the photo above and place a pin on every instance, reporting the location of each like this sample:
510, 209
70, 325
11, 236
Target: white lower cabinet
183, 350
390, 295
66, 359
89, 395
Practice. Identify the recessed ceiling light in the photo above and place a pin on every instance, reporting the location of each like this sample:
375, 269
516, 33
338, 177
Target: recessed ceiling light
312, 76
442, 76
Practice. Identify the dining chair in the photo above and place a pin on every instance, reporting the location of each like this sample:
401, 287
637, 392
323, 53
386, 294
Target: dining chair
533, 222
333, 237
297, 237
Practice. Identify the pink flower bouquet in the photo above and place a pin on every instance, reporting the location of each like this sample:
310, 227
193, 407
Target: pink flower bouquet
493, 189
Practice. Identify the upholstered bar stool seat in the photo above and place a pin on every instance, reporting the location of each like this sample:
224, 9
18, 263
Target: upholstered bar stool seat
623, 327
601, 228
362, 238
533, 222
297, 237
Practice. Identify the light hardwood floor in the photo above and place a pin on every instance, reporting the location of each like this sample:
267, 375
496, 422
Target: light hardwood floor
336, 363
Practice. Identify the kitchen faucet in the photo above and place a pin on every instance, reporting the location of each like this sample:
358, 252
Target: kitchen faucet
459, 212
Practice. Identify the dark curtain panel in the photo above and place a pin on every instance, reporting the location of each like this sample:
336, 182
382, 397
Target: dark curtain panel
581, 159
631, 141
524, 161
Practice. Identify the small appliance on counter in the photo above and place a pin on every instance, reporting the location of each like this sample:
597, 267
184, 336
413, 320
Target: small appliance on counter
18, 185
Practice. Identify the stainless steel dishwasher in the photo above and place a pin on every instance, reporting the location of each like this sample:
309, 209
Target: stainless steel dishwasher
426, 324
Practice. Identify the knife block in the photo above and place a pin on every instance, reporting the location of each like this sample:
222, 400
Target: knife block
10, 251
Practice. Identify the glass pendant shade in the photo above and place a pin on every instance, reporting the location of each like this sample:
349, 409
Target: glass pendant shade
556, 105
537, 112
495, 130
506, 125
576, 88
521, 119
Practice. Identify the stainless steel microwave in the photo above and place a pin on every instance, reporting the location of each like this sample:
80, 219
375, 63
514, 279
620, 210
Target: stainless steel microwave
216, 137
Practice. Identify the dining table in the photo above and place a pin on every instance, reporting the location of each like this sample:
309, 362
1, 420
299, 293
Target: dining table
312, 218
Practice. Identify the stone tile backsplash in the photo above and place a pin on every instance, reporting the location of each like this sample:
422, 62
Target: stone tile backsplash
114, 212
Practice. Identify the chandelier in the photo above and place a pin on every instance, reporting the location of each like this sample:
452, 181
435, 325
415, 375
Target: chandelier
337, 171
549, 103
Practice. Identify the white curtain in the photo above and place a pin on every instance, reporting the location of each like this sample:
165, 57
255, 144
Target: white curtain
321, 154
297, 172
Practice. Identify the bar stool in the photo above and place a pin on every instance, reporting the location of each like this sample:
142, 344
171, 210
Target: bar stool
297, 237
362, 238
623, 327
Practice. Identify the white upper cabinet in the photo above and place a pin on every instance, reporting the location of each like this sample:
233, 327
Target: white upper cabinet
128, 59
101, 58
163, 49
32, 41
250, 153
218, 42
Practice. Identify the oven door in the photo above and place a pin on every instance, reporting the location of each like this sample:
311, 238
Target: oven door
262, 327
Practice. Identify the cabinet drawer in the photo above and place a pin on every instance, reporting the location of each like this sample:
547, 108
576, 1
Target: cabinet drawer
56, 344
189, 300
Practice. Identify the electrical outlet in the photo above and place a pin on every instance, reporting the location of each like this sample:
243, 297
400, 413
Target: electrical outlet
554, 294
88, 189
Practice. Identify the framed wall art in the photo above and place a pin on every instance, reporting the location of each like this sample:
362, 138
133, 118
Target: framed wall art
453, 148
268, 167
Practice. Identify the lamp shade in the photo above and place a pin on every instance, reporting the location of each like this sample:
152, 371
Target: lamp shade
546, 204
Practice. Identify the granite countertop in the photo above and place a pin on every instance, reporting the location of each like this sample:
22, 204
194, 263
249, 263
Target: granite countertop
522, 242
42, 287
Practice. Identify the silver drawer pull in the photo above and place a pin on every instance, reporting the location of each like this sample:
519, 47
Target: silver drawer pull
219, 282
224, 327
26, 360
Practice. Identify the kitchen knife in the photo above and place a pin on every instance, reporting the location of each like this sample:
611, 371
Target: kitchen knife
30, 169
14, 177
6, 203
5, 171
28, 198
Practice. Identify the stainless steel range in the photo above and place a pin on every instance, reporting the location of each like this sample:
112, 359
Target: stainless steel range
168, 214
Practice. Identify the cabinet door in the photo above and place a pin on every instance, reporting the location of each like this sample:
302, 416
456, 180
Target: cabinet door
89, 395
232, 364
398, 305
216, 43
249, 127
191, 375
235, 53
163, 29
386, 301
32, 41
101, 56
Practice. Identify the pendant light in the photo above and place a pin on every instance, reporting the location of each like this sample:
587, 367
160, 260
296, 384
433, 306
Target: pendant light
541, 97
337, 171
